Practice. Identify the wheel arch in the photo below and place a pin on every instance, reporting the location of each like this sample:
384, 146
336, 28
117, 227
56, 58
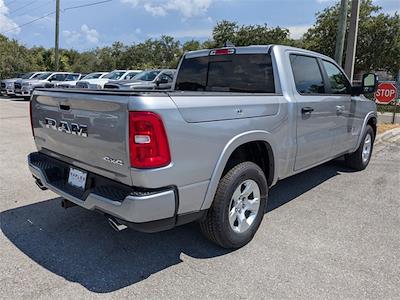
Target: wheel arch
370, 119
256, 138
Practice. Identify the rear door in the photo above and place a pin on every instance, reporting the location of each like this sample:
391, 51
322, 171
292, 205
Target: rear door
316, 115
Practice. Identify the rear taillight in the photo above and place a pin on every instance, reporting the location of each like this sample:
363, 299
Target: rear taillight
30, 116
148, 143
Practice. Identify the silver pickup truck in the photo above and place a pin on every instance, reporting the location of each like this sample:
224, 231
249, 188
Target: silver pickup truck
237, 120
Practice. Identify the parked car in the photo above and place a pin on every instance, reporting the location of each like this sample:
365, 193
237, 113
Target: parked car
148, 80
99, 83
72, 77
72, 83
7, 85
237, 121
24, 88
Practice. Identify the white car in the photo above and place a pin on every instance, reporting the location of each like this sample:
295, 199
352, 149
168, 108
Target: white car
114, 75
72, 83
46, 79
7, 85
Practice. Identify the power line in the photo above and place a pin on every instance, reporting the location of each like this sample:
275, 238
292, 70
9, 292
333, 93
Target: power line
30, 22
53, 12
86, 5
22, 7
33, 9
12, 1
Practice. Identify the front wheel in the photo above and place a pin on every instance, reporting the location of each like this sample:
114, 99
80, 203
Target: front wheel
238, 206
359, 159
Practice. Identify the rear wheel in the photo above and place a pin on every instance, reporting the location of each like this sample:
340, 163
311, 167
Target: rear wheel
359, 159
238, 206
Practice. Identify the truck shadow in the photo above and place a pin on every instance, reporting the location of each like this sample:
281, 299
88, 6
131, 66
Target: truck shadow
80, 246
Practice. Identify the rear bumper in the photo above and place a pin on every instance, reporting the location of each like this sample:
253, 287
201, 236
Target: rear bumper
129, 204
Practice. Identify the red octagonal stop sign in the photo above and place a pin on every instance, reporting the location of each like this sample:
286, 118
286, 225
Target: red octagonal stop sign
386, 93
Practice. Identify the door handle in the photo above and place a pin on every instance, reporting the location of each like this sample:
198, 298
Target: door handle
307, 110
340, 108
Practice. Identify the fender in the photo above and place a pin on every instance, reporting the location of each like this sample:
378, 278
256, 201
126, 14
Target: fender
235, 142
371, 114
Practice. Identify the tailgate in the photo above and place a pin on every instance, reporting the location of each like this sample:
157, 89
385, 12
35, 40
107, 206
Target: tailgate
88, 130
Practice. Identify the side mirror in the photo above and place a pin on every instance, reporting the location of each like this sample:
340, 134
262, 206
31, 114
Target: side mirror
161, 80
369, 83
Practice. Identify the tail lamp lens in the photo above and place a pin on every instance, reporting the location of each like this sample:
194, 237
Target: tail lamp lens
148, 143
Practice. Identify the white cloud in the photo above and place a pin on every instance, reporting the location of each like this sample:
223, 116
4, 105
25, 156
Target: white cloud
192, 33
187, 8
297, 31
89, 35
155, 10
6, 23
71, 37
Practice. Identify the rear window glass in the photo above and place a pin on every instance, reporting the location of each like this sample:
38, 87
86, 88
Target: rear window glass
307, 75
247, 73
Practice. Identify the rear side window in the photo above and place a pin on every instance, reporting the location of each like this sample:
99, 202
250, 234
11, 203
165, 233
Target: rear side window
247, 73
307, 74
338, 81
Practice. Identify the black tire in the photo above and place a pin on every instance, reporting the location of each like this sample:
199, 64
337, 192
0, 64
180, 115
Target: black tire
355, 160
215, 226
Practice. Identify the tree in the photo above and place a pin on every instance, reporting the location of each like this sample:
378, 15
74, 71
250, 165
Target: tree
244, 35
191, 46
378, 43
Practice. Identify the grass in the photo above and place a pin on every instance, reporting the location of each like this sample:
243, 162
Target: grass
385, 127
387, 108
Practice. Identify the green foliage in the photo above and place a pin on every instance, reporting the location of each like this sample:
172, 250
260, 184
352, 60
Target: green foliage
378, 46
245, 35
378, 43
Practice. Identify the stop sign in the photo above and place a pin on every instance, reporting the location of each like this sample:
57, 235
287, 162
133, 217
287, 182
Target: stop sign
386, 93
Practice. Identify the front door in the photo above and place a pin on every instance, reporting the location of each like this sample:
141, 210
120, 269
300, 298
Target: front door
316, 115
339, 90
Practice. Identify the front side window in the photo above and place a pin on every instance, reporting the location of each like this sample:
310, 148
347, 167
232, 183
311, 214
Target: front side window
58, 77
338, 81
92, 76
27, 75
245, 73
166, 76
72, 77
43, 76
115, 75
147, 75
307, 74
131, 75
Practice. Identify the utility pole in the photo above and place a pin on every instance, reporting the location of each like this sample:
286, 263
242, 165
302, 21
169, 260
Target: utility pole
341, 32
352, 39
56, 54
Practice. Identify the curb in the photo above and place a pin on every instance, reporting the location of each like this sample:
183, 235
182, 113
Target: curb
387, 135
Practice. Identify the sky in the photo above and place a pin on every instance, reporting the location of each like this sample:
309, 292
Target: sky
133, 21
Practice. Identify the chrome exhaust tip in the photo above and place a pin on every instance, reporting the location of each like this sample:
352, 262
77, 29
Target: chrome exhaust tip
40, 184
117, 226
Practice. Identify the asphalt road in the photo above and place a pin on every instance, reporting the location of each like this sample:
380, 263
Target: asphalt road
329, 233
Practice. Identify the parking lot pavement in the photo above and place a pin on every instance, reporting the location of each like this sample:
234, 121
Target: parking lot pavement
328, 233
